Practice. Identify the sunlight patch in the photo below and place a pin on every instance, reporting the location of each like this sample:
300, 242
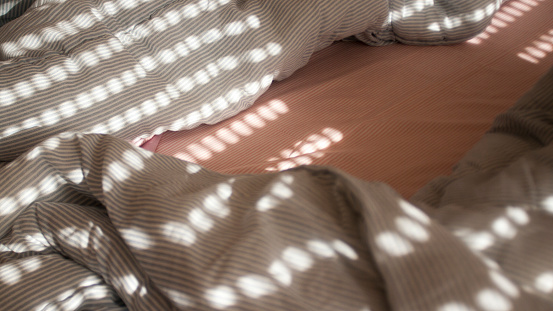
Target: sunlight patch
412, 229
221, 297
492, 300
544, 282
297, 259
255, 286
344, 249
136, 238
281, 272
179, 233
394, 244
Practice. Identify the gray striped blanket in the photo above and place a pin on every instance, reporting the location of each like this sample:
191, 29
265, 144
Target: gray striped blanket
136, 68
91, 222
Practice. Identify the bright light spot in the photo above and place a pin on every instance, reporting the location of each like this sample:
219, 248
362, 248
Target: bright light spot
253, 21
547, 204
235, 28
179, 233
455, 306
167, 56
28, 195
99, 93
7, 206
136, 238
216, 206
434, 27
224, 191
297, 259
282, 191
252, 88
50, 184
181, 299
412, 229
333, 134
30, 123
159, 24
75, 237
344, 249
128, 4
492, 300
128, 78
255, 286
518, 215
227, 136
214, 143
220, 103
321, 249
148, 63
133, 159
200, 220
193, 42
544, 282
221, 297
227, 62
234, 96
10, 274
266, 203
192, 168
257, 55
75, 176
479, 240
504, 284
6, 98
503, 227
130, 283
190, 11
281, 273
211, 36
478, 15
40, 81
241, 128
84, 100
89, 58
394, 244
31, 42
273, 48
185, 84
31, 264
414, 212
201, 77
24, 89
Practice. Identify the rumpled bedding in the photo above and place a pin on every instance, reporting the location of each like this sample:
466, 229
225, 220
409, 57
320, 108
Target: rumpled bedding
137, 68
89, 221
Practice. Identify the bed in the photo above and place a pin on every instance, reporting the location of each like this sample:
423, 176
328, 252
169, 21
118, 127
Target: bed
395, 177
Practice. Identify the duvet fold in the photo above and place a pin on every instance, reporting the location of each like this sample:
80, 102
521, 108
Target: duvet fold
90, 221
136, 68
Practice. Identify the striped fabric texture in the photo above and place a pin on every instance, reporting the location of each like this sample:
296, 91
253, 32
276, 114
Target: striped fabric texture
138, 68
93, 222
399, 114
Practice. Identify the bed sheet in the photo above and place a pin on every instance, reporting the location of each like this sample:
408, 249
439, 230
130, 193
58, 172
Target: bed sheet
398, 114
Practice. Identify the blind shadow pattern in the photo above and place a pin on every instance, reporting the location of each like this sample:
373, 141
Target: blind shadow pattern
136, 68
91, 221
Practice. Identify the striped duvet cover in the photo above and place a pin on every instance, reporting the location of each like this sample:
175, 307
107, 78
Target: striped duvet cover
136, 68
91, 222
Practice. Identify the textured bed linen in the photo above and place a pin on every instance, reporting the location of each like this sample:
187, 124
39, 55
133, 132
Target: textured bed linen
138, 68
405, 114
90, 221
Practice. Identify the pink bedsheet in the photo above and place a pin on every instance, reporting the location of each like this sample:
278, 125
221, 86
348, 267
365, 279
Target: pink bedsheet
398, 114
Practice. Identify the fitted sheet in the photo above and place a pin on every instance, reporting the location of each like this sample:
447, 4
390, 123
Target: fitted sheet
399, 114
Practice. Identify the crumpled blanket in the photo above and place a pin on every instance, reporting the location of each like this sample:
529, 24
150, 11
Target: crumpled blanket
92, 222
137, 68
